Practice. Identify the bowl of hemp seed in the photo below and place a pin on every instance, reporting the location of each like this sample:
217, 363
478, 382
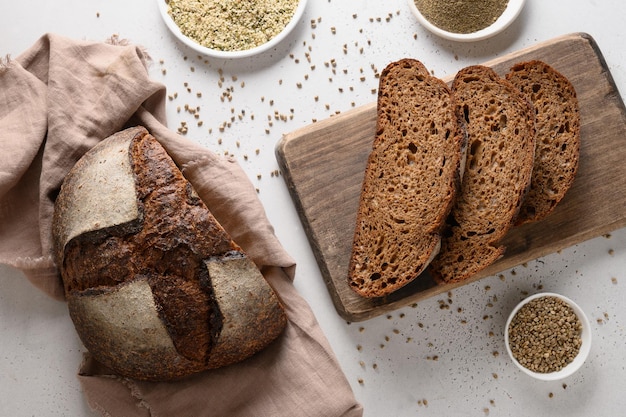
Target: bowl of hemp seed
548, 336
231, 28
466, 20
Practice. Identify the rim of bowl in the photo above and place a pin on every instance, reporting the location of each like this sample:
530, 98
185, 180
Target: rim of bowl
215, 53
512, 11
578, 361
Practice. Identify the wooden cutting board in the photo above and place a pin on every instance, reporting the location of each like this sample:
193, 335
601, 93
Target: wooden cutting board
323, 165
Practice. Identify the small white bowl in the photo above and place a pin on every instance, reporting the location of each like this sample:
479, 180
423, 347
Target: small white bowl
513, 9
582, 353
173, 27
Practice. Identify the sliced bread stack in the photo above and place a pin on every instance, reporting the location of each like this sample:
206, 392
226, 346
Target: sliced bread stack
411, 180
501, 148
522, 153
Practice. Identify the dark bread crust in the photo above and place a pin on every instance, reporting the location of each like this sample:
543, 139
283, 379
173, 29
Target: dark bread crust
160, 255
557, 122
411, 179
501, 143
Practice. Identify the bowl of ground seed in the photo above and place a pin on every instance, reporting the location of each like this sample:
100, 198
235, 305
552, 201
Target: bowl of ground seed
231, 28
548, 336
466, 20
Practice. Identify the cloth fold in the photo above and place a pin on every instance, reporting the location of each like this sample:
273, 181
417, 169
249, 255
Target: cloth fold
57, 100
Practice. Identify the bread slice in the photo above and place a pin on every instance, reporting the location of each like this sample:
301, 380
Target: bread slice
558, 136
501, 144
411, 179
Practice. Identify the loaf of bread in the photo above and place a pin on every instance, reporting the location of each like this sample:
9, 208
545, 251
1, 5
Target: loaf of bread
411, 179
500, 153
558, 136
156, 288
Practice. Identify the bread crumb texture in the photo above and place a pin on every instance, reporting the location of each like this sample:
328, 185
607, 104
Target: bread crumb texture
500, 153
558, 136
410, 181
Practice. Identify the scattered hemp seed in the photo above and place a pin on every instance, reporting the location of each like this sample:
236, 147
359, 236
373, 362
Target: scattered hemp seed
545, 335
461, 16
231, 26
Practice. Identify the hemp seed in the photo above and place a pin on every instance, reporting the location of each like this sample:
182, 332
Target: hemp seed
545, 335
231, 26
464, 16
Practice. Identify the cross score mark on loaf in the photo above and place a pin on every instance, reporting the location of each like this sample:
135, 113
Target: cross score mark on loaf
170, 258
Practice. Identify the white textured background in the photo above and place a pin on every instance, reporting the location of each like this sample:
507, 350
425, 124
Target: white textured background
442, 357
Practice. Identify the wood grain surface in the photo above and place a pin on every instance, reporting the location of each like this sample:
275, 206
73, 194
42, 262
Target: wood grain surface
323, 165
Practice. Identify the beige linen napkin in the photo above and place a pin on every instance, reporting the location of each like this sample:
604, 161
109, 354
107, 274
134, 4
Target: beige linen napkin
57, 100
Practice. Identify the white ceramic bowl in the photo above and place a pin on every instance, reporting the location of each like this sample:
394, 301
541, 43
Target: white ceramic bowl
173, 27
582, 353
513, 9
